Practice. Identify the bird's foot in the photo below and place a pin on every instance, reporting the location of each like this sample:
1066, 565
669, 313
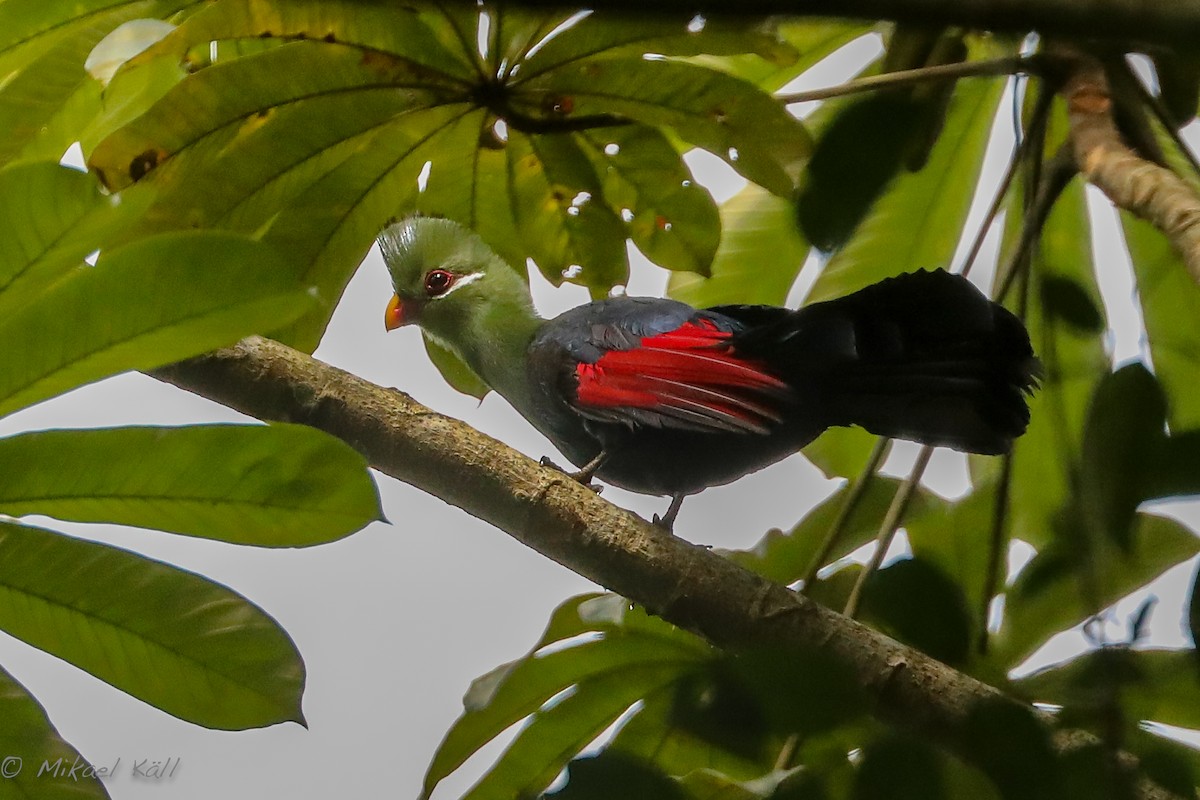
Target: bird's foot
583, 476
667, 521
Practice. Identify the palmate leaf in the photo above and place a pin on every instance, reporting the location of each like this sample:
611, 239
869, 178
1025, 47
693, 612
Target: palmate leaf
273, 486
171, 638
634, 655
26, 733
346, 122
178, 294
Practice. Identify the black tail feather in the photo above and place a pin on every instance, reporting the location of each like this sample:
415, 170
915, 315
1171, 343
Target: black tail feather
923, 356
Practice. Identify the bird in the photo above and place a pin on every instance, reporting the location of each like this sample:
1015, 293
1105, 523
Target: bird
660, 398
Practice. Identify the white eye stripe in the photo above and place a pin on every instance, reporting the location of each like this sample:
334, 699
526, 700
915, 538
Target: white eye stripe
458, 284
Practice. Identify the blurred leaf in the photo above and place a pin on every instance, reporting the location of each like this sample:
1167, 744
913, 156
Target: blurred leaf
804, 691
47, 96
955, 537
1171, 764
612, 774
758, 259
1065, 300
784, 557
1089, 773
1178, 75
1170, 302
26, 733
558, 732
843, 452
860, 151
1074, 361
1193, 615
895, 768
1012, 746
647, 651
1045, 599
275, 486
917, 603
184, 644
655, 733
918, 221
456, 372
812, 39
1123, 435
177, 295
1157, 684
43, 206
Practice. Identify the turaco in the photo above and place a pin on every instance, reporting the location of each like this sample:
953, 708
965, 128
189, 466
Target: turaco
658, 397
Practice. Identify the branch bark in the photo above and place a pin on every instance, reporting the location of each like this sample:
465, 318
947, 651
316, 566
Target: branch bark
544, 509
1176, 23
1152, 192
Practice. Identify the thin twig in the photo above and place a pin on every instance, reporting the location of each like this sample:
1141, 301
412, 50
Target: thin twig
909, 77
1019, 155
996, 550
853, 497
1058, 173
1164, 116
887, 530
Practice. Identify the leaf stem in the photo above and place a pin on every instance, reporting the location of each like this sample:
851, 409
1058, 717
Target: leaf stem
887, 530
853, 498
996, 549
908, 77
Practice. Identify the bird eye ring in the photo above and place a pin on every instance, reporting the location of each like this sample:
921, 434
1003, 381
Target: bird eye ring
438, 282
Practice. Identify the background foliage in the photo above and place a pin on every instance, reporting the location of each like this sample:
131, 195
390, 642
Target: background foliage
220, 135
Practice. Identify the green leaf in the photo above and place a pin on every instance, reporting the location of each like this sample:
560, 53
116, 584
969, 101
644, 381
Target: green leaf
610, 774
1123, 436
670, 218
274, 486
899, 769
724, 115
812, 39
843, 452
150, 303
27, 734
919, 604
918, 221
1157, 685
859, 153
1074, 361
1045, 599
758, 259
171, 638
956, 538
632, 645
784, 557
558, 732
1170, 303
1012, 746
47, 96
42, 207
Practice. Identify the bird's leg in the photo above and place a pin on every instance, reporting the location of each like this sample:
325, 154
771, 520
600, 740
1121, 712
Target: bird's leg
668, 519
585, 474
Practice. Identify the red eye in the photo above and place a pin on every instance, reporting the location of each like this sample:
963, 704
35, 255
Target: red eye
438, 282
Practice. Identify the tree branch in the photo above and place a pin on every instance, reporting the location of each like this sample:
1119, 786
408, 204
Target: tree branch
1152, 192
1123, 20
684, 583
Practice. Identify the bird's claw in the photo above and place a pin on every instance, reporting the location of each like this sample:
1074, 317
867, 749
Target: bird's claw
583, 476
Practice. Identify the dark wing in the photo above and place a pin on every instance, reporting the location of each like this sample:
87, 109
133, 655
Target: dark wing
688, 376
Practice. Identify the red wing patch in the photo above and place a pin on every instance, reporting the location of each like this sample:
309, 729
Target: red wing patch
686, 378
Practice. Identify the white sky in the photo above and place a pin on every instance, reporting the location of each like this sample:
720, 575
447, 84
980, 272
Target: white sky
395, 621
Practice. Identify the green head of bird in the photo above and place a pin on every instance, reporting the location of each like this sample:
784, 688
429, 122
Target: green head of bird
447, 280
